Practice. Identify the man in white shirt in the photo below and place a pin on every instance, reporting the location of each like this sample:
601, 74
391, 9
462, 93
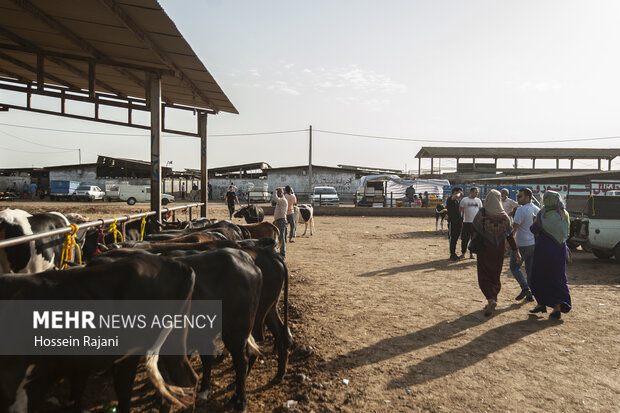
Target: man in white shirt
524, 218
469, 207
508, 204
279, 217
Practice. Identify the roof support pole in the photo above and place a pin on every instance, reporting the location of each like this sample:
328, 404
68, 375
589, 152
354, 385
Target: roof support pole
310, 164
432, 165
495, 159
419, 166
204, 189
571, 162
533, 163
516, 163
557, 163
609, 164
599, 164
154, 85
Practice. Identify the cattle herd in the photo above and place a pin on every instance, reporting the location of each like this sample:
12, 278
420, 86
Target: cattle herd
200, 259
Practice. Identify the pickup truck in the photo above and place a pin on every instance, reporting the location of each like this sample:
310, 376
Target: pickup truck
62, 190
324, 196
597, 228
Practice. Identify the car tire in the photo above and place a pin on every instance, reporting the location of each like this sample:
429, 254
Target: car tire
604, 255
131, 201
165, 201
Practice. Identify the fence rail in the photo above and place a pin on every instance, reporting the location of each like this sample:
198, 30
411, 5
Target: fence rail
60, 231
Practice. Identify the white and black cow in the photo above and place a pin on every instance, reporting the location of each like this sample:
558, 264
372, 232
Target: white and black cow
440, 212
34, 256
304, 214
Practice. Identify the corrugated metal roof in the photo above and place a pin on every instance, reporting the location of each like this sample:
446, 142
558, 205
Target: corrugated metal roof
528, 153
137, 34
552, 177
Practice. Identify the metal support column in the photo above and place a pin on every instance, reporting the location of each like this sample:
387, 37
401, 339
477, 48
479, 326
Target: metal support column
154, 86
432, 165
204, 188
599, 164
310, 191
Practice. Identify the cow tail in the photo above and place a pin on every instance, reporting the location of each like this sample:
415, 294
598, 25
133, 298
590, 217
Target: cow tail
285, 309
152, 369
254, 348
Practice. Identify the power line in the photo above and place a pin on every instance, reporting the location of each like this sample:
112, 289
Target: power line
391, 138
144, 135
47, 153
36, 143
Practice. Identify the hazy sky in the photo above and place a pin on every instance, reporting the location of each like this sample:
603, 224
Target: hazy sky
509, 73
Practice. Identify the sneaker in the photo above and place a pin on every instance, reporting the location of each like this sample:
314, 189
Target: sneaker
462, 256
529, 297
471, 256
454, 258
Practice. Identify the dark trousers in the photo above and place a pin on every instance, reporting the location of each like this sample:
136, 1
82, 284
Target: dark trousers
231, 209
466, 236
455, 231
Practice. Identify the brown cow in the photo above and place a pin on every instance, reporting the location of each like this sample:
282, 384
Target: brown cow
262, 230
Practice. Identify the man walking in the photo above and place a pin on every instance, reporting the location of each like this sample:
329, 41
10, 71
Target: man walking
524, 218
469, 207
279, 217
231, 199
454, 220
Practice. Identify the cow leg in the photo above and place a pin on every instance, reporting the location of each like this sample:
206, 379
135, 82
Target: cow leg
282, 339
240, 362
306, 229
437, 222
205, 383
179, 372
311, 224
124, 373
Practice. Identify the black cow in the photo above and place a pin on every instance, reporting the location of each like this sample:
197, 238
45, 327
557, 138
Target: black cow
34, 256
25, 379
252, 214
232, 277
275, 278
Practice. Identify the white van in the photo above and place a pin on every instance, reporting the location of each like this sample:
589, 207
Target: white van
140, 193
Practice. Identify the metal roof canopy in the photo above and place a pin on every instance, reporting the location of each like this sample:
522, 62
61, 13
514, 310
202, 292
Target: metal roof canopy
510, 153
119, 53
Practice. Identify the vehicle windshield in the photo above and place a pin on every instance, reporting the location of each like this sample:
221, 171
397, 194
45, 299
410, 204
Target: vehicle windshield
324, 190
84, 188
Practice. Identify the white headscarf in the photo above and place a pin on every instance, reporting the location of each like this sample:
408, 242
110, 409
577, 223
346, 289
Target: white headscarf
493, 203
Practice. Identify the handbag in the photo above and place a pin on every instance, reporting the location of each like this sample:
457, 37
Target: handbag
476, 245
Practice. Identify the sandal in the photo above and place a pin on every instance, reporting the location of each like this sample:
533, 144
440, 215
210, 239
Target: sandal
539, 309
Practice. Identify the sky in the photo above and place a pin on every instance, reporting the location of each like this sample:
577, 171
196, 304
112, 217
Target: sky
526, 73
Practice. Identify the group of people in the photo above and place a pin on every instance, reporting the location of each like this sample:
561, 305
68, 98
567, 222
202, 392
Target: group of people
285, 201
29, 191
414, 200
536, 237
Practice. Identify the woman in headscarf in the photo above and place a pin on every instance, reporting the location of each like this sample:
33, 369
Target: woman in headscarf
549, 283
493, 225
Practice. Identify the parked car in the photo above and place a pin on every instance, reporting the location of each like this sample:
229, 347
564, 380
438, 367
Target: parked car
140, 193
88, 193
324, 196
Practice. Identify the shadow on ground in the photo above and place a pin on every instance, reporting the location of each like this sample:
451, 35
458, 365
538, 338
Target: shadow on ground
440, 264
456, 359
395, 346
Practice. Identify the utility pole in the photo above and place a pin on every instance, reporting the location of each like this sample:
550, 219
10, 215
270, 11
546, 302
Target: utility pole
310, 164
80, 155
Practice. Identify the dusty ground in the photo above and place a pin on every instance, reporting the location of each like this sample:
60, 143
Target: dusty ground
376, 302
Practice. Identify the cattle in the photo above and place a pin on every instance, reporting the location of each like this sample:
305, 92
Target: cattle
251, 213
230, 276
34, 256
25, 379
275, 278
229, 230
440, 212
304, 214
261, 230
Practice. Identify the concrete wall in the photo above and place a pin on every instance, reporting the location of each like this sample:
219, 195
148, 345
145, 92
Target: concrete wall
363, 212
6, 182
343, 181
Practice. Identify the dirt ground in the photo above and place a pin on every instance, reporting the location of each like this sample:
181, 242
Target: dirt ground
376, 304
